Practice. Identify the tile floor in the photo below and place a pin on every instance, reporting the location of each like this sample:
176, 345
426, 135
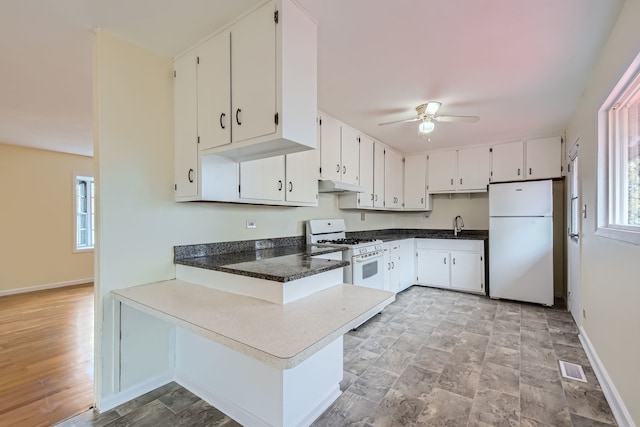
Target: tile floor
432, 358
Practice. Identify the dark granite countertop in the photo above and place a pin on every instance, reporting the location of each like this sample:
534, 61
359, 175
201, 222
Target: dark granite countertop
389, 235
280, 260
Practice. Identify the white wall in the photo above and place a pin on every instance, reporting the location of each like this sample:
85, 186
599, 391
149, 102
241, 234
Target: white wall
610, 288
37, 220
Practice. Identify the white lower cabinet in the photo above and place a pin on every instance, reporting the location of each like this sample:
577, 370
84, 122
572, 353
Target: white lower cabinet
401, 264
454, 264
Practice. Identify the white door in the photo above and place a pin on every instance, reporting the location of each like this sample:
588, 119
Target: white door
186, 126
378, 175
433, 267
543, 158
466, 271
521, 199
366, 172
253, 75
330, 163
302, 177
263, 179
415, 181
393, 194
350, 150
517, 270
507, 162
473, 168
442, 171
573, 244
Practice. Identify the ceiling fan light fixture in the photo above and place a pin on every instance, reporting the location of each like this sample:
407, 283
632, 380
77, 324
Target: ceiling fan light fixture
432, 108
426, 126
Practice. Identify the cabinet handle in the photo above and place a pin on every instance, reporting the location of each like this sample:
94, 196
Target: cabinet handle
460, 181
451, 181
337, 168
445, 260
279, 185
344, 170
421, 200
371, 196
454, 261
238, 111
530, 173
518, 171
290, 186
388, 266
222, 116
189, 175
376, 197
393, 266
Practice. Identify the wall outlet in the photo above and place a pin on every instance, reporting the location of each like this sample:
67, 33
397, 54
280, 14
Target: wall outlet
362, 216
251, 223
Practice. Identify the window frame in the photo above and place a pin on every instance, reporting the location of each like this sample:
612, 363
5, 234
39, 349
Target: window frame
90, 214
609, 173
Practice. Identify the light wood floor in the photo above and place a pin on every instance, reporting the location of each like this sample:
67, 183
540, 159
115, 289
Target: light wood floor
46, 355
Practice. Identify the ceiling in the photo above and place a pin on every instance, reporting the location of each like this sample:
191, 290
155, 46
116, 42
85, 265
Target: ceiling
519, 65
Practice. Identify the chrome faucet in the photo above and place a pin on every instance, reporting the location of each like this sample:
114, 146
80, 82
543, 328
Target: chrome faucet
458, 225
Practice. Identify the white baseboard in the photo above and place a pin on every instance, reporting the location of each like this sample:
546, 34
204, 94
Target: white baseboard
620, 411
110, 402
46, 286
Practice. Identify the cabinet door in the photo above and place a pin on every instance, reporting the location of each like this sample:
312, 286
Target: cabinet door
214, 92
433, 267
365, 199
378, 175
415, 182
263, 179
507, 162
474, 168
302, 177
394, 267
253, 74
442, 171
350, 155
330, 167
466, 271
544, 158
407, 264
393, 180
186, 126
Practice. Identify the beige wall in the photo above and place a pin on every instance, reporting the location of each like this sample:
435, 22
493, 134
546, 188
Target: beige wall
610, 276
37, 220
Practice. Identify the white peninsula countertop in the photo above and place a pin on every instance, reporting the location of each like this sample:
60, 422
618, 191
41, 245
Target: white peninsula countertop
279, 335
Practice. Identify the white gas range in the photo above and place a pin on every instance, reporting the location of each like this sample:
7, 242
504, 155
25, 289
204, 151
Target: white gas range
367, 256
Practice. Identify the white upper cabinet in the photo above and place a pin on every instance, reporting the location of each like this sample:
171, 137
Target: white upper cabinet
282, 180
249, 109
186, 128
415, 183
464, 170
507, 161
442, 171
365, 199
378, 175
214, 96
527, 160
350, 155
474, 165
393, 180
253, 75
330, 151
302, 178
543, 158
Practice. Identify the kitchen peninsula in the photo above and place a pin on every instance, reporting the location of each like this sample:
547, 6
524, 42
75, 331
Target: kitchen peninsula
258, 333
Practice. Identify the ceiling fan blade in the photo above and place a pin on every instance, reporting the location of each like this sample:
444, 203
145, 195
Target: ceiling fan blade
449, 119
414, 119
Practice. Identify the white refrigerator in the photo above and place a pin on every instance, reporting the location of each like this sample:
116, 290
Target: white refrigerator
521, 241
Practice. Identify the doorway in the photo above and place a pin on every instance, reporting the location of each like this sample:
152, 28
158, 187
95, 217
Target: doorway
573, 234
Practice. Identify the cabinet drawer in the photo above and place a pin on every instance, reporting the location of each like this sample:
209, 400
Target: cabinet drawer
450, 244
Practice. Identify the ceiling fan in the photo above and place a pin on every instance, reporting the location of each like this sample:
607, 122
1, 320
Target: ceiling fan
427, 116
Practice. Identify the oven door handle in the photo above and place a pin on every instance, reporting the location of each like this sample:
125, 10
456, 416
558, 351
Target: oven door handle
361, 258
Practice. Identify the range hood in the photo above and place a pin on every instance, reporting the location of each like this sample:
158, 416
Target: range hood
329, 186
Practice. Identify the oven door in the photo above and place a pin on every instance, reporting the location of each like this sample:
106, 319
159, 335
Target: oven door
368, 271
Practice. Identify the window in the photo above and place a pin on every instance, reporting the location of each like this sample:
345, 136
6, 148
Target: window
84, 211
619, 160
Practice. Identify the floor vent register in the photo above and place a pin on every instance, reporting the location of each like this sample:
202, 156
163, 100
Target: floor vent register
572, 371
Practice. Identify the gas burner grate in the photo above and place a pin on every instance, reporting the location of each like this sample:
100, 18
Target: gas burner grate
347, 241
